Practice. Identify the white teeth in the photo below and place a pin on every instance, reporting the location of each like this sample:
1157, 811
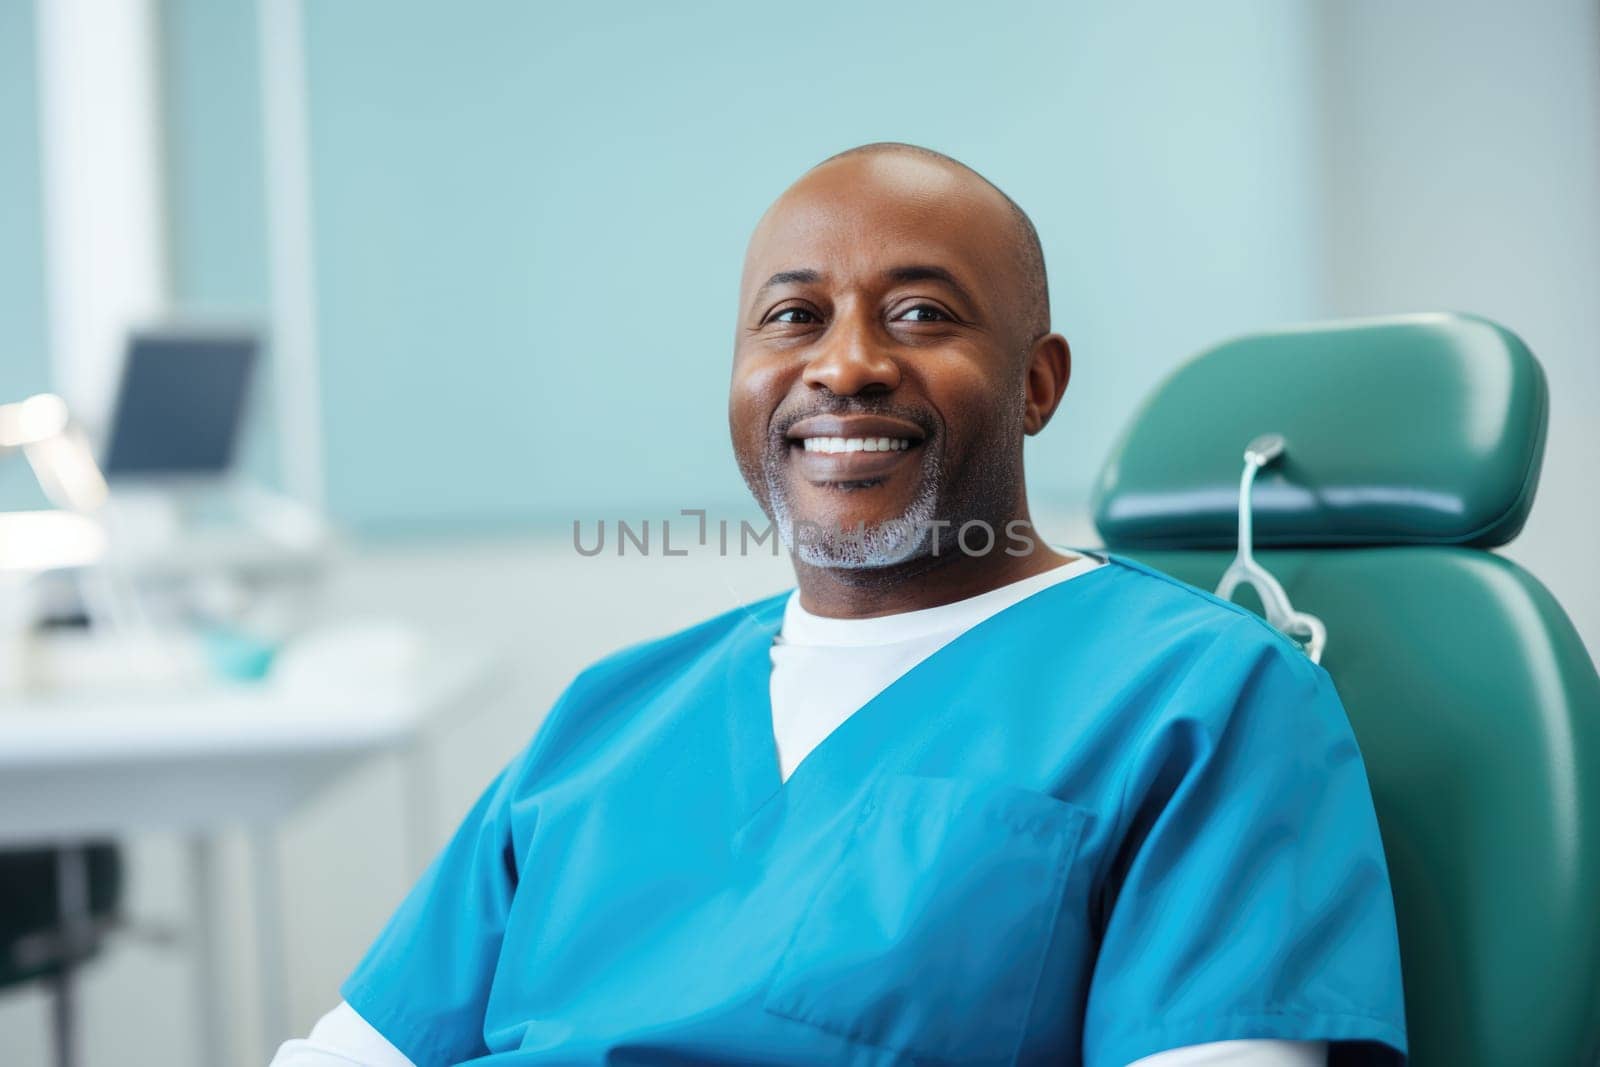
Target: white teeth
855, 444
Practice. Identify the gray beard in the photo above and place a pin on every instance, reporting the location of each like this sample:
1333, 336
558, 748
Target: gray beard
883, 544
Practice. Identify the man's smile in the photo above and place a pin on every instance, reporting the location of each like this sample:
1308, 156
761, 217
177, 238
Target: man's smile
833, 445
840, 449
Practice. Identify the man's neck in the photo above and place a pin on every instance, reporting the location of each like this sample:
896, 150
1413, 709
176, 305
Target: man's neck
925, 582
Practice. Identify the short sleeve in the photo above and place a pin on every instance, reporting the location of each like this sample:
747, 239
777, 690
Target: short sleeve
424, 984
1249, 897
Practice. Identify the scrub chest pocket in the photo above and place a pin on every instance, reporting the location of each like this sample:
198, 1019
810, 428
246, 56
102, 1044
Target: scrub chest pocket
929, 936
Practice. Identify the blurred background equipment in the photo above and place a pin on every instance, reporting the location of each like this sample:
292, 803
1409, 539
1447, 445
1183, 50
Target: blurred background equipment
141, 624
180, 405
199, 540
55, 446
55, 903
140, 630
33, 542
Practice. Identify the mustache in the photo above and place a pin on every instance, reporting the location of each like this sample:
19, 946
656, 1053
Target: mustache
785, 417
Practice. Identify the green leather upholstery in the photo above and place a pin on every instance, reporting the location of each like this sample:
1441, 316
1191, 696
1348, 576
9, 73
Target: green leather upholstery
1417, 429
1476, 706
1478, 715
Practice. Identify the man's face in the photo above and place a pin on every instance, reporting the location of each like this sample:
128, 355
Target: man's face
880, 364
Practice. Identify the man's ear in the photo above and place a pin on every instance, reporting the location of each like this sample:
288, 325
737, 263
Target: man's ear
1049, 367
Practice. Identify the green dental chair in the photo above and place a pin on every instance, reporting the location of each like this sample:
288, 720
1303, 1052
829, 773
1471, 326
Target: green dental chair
1407, 448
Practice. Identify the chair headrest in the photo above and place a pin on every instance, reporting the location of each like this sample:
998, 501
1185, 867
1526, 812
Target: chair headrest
1413, 429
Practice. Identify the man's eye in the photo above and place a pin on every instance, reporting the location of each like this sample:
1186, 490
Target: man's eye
922, 313
794, 316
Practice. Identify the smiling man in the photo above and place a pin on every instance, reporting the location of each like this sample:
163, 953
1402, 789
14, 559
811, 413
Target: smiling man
893, 297
960, 797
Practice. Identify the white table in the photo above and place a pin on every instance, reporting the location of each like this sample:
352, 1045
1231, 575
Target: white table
201, 761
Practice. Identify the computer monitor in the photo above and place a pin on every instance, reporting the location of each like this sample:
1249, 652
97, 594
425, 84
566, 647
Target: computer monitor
181, 404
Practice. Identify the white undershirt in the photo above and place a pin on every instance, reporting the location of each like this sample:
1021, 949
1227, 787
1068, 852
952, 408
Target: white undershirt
823, 670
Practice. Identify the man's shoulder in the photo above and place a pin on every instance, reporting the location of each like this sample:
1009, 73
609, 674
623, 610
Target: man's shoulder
1135, 630
648, 661
1228, 663
1232, 626
1156, 610
610, 693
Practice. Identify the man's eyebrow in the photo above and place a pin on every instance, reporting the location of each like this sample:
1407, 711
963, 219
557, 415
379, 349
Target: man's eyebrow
791, 277
914, 272
927, 273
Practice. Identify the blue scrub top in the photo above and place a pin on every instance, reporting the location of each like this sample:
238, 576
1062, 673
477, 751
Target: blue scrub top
1118, 817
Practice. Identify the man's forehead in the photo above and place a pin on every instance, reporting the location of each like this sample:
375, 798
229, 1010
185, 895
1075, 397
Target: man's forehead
856, 213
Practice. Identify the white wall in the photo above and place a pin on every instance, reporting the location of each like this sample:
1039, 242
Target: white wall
104, 223
1461, 161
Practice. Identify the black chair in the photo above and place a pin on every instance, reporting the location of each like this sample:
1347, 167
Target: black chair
56, 906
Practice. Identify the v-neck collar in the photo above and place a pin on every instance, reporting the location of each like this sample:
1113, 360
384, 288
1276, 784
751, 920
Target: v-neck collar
748, 698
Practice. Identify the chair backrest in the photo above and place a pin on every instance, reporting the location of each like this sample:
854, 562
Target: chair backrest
1414, 445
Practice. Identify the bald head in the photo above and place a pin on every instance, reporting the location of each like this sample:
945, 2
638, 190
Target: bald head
1021, 237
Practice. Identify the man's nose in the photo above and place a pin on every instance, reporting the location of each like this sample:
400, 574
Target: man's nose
852, 360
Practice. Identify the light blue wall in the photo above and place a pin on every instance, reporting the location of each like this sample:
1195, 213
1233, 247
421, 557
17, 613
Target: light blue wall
24, 324
216, 198
211, 79
24, 355
530, 217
